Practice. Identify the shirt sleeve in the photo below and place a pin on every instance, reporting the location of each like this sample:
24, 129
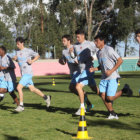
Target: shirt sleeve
93, 49
113, 54
33, 53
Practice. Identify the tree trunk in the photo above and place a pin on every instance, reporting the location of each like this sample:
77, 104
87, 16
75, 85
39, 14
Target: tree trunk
42, 19
126, 47
89, 17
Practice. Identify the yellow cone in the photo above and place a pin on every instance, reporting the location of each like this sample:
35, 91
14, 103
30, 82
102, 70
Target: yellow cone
53, 83
82, 128
118, 83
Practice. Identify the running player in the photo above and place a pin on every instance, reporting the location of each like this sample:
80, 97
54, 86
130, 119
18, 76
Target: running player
1, 79
137, 34
109, 61
84, 51
73, 66
24, 58
8, 78
66, 58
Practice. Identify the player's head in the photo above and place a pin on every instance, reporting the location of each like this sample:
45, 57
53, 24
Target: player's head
80, 35
99, 41
137, 34
19, 42
2, 50
66, 40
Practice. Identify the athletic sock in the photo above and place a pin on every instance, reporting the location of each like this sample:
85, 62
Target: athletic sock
21, 104
82, 105
45, 97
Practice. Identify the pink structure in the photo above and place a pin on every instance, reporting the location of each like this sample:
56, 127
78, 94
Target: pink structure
45, 67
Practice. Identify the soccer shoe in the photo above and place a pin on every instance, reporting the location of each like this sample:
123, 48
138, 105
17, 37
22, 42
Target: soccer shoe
48, 101
79, 111
19, 108
89, 107
127, 90
1, 98
111, 117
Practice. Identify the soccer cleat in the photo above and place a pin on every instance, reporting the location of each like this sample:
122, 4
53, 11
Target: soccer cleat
1, 98
89, 107
127, 90
19, 108
79, 111
111, 117
48, 101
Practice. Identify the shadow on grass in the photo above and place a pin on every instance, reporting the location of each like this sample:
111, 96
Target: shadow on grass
67, 133
8, 137
112, 124
4, 107
53, 90
51, 108
50, 83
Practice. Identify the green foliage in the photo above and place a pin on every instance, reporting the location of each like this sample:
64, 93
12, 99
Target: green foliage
64, 17
6, 37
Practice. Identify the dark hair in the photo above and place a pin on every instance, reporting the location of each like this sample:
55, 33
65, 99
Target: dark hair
68, 37
3, 48
20, 39
101, 37
79, 31
137, 31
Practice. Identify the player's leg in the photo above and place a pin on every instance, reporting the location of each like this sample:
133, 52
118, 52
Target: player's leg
1, 97
112, 86
74, 80
20, 108
11, 85
92, 85
82, 81
103, 86
14, 97
47, 98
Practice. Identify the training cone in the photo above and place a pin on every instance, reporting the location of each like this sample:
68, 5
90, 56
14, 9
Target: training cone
53, 83
118, 83
82, 128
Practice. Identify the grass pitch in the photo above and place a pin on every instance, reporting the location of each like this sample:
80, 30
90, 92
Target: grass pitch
58, 123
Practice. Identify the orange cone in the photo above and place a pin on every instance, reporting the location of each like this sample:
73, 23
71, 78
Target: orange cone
82, 128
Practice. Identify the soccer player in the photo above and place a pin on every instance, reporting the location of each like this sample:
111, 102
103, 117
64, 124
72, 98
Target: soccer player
66, 58
73, 66
1, 78
84, 51
137, 34
109, 61
24, 58
8, 78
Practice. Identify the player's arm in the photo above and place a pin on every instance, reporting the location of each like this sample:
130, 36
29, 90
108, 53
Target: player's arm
14, 58
92, 69
9, 65
34, 59
62, 60
119, 62
72, 52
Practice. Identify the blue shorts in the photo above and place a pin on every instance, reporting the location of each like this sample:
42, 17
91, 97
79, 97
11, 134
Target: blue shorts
108, 86
9, 85
26, 80
85, 78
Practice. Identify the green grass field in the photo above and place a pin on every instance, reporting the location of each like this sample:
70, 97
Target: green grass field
58, 123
